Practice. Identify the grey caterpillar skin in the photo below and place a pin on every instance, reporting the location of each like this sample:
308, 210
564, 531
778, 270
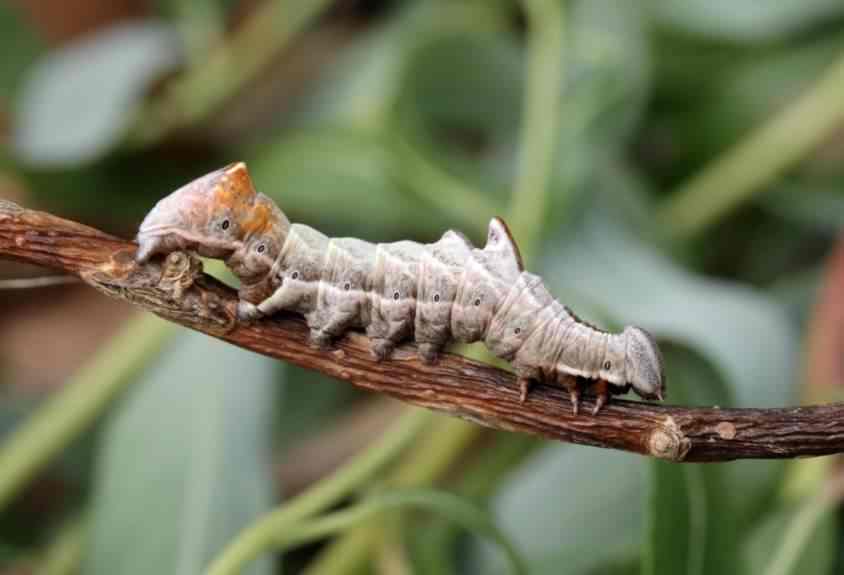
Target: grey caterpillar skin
431, 293
447, 291
440, 276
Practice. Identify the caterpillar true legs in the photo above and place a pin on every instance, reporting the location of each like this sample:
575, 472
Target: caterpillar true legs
431, 293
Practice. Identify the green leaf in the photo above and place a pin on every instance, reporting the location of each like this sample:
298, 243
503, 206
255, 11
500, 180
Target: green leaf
201, 24
692, 520
605, 94
750, 88
311, 402
115, 192
16, 407
692, 525
19, 46
361, 86
316, 176
795, 540
439, 550
440, 105
460, 101
629, 566
817, 205
454, 508
744, 20
448, 78
797, 292
184, 464
609, 75
72, 466
77, 102
569, 505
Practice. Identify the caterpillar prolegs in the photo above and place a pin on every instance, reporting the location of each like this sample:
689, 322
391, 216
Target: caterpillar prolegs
432, 293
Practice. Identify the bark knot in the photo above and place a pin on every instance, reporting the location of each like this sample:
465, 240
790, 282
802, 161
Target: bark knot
667, 441
726, 430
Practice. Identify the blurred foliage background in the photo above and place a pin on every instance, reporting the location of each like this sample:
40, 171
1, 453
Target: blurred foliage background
674, 164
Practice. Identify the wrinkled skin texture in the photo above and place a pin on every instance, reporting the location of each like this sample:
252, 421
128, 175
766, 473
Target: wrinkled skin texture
433, 293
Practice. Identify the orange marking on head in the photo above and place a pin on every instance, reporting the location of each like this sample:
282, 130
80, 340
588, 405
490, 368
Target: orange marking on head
237, 178
233, 198
237, 168
259, 219
234, 187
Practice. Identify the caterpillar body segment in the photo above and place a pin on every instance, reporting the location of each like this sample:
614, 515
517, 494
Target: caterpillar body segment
434, 293
439, 277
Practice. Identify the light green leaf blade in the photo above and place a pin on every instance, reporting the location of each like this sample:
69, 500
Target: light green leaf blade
460, 100
677, 513
609, 76
184, 463
750, 88
795, 540
460, 511
564, 500
692, 526
19, 46
316, 176
692, 520
201, 25
360, 87
77, 102
744, 20
816, 205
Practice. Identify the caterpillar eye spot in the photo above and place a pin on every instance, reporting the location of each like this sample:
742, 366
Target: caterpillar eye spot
261, 248
517, 331
607, 365
477, 302
225, 224
347, 286
396, 296
436, 298
294, 275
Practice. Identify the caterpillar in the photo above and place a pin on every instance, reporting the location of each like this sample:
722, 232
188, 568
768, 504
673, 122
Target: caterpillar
434, 293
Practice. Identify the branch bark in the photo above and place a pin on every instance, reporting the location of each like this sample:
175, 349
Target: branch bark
177, 290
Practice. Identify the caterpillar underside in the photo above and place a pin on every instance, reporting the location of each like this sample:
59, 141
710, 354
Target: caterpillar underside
430, 293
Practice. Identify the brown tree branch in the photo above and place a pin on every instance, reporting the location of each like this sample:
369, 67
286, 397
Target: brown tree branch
177, 290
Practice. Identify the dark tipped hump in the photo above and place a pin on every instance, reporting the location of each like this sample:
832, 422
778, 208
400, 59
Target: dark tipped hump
582, 321
500, 239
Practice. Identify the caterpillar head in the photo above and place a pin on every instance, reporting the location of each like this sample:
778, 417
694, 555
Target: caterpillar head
643, 364
206, 216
